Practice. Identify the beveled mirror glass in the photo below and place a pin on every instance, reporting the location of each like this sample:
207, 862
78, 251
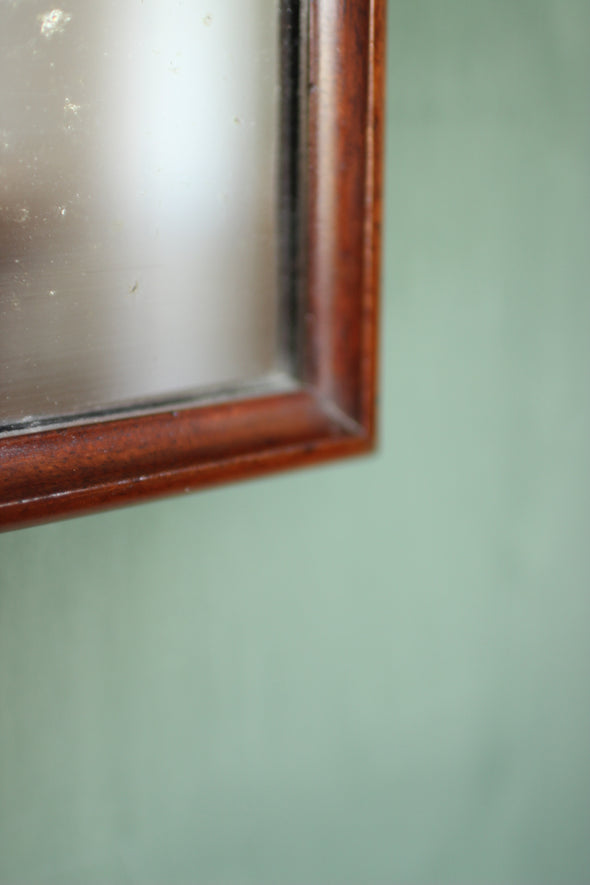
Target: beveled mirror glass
139, 203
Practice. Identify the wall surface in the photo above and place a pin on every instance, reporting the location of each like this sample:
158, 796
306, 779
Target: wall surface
375, 672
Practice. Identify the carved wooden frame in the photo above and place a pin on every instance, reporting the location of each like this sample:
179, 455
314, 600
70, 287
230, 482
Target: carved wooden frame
331, 412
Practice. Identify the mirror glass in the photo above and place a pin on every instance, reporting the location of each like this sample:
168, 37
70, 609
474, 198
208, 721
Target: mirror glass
139, 169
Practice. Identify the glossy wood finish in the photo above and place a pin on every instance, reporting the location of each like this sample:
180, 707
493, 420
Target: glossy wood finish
346, 68
80, 469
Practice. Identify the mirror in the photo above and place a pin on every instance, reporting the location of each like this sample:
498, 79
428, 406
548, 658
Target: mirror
139, 204
190, 228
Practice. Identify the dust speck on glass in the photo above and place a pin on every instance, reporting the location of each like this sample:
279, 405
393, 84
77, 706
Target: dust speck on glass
139, 204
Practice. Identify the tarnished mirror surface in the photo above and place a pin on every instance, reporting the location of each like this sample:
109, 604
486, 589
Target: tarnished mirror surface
139, 146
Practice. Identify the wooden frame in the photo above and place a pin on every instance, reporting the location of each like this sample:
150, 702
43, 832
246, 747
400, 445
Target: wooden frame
79, 469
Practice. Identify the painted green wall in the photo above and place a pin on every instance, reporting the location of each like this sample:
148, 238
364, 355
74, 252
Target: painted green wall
376, 672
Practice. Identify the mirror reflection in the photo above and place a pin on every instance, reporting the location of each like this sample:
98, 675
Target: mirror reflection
138, 201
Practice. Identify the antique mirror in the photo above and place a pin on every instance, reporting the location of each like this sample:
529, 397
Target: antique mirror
189, 239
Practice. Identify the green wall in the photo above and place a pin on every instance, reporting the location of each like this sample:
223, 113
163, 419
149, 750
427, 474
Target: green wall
376, 672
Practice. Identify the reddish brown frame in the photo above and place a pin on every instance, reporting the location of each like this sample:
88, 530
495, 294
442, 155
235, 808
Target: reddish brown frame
80, 469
